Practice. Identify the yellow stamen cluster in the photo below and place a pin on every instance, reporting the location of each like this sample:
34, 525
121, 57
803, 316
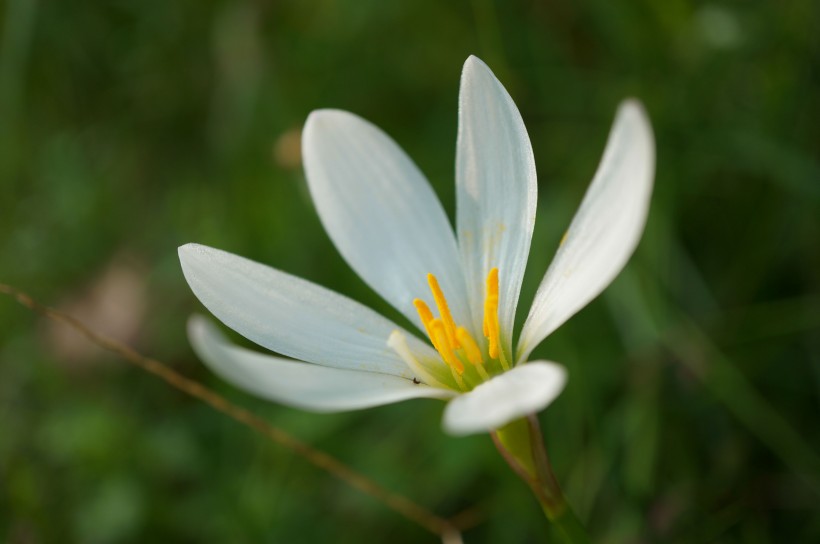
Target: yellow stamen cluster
455, 344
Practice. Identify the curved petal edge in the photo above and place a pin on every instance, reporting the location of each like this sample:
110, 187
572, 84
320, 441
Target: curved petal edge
524, 390
496, 192
380, 211
605, 231
294, 383
292, 316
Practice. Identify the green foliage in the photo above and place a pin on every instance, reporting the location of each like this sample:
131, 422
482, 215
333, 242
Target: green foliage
130, 128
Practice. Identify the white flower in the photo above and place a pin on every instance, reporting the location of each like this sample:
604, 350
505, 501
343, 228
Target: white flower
386, 221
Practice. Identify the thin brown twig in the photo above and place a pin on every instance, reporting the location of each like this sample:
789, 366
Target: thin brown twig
447, 530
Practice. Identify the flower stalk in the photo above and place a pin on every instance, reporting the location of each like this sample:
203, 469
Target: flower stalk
521, 444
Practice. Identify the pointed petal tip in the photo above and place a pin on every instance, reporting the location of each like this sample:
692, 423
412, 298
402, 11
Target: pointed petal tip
473, 60
317, 120
322, 126
632, 103
198, 325
632, 117
325, 116
314, 119
186, 253
187, 249
474, 66
316, 116
192, 252
202, 328
632, 108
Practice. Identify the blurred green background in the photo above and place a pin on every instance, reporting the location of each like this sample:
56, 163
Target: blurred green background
130, 128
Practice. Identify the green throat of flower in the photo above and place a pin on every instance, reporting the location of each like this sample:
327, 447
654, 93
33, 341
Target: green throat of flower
468, 362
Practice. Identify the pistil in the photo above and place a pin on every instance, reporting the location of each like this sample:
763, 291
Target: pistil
398, 343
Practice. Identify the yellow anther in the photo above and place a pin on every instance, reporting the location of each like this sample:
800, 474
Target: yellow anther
469, 346
443, 310
491, 313
443, 345
425, 315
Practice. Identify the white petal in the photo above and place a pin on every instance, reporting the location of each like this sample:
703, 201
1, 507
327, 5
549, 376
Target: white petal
292, 316
380, 211
605, 231
496, 182
303, 385
524, 390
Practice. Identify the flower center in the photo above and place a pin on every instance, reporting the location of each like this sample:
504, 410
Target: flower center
459, 350
454, 343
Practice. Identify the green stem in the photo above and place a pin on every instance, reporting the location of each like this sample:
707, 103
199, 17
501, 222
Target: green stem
522, 446
568, 525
